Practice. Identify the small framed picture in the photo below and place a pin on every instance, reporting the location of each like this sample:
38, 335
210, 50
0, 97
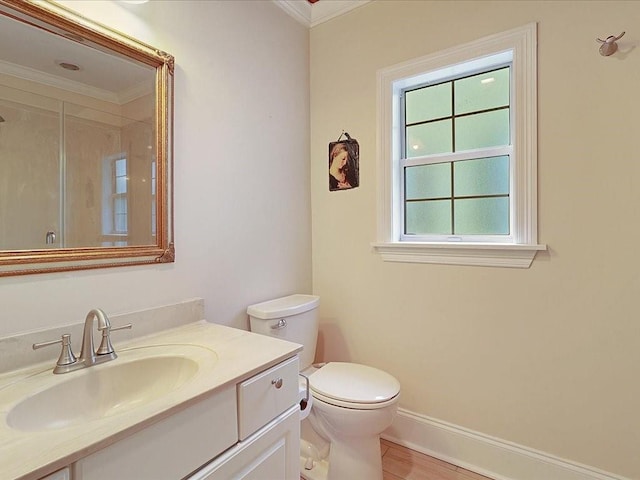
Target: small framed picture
344, 164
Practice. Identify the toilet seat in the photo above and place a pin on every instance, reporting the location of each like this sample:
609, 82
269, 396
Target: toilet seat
355, 386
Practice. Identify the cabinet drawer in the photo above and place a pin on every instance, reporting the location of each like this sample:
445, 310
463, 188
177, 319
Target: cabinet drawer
266, 395
59, 475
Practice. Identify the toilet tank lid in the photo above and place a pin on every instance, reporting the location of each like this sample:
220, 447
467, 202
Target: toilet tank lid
284, 307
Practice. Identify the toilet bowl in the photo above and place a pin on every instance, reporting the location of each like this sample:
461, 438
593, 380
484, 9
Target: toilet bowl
352, 403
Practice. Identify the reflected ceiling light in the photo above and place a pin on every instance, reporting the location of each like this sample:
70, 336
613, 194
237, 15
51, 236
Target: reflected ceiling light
487, 80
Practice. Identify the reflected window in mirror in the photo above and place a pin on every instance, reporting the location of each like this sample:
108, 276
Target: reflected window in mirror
153, 199
114, 202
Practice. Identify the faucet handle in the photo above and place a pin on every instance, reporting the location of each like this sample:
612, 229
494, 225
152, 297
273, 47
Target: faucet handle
66, 357
106, 348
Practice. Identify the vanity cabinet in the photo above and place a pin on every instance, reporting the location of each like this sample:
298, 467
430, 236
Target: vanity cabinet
247, 431
272, 453
171, 448
268, 430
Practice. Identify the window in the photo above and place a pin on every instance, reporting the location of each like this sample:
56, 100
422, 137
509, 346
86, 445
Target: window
154, 217
455, 157
457, 152
115, 211
119, 196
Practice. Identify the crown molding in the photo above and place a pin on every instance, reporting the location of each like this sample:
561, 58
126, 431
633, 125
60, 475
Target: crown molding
37, 76
43, 78
300, 10
311, 15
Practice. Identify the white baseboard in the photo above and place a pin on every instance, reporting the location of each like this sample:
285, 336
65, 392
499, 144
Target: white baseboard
493, 457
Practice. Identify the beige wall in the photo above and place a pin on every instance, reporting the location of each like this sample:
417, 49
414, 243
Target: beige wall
546, 357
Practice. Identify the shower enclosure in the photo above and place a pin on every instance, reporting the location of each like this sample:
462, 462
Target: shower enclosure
75, 171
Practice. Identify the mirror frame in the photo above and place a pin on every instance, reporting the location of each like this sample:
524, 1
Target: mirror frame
59, 20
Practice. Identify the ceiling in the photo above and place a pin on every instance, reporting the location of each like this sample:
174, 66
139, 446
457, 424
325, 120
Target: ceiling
313, 12
108, 77
38, 55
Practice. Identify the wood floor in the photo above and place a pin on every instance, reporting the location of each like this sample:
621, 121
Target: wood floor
400, 463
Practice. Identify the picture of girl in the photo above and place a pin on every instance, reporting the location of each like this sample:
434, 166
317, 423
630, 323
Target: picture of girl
343, 165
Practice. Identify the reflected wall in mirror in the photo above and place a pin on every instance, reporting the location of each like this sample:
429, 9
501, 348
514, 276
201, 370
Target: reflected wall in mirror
85, 144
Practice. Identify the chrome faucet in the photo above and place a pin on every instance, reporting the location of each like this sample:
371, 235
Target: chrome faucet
67, 362
87, 351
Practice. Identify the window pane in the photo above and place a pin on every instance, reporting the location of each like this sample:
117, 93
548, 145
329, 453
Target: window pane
428, 103
429, 138
482, 92
153, 218
153, 178
121, 223
120, 205
488, 129
482, 216
429, 217
485, 176
121, 185
121, 167
428, 181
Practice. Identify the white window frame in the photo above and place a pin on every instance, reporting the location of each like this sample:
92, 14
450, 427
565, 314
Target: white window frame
117, 196
111, 237
518, 249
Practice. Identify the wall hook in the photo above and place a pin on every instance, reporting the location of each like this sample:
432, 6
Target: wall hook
345, 134
609, 46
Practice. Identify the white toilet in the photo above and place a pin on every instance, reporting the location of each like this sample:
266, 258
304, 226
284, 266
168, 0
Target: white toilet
351, 403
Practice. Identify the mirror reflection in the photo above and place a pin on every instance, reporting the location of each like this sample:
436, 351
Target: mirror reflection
85, 167
77, 159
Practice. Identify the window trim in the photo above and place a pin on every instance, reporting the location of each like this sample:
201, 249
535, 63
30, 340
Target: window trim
522, 44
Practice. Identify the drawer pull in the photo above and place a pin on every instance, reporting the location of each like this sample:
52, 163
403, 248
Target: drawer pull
277, 382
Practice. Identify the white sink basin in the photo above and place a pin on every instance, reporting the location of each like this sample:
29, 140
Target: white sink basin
136, 378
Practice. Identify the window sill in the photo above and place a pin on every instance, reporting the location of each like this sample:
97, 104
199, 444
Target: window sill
476, 254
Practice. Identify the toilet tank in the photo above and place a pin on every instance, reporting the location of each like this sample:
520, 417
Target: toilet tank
293, 318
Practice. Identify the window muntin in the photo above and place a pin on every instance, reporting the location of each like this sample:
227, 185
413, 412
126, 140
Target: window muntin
446, 193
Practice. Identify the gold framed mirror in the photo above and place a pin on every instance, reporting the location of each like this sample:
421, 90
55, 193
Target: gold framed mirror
86, 117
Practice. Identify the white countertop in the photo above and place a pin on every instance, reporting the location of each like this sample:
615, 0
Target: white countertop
32, 455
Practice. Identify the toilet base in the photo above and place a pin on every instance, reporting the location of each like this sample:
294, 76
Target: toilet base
319, 470
358, 460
